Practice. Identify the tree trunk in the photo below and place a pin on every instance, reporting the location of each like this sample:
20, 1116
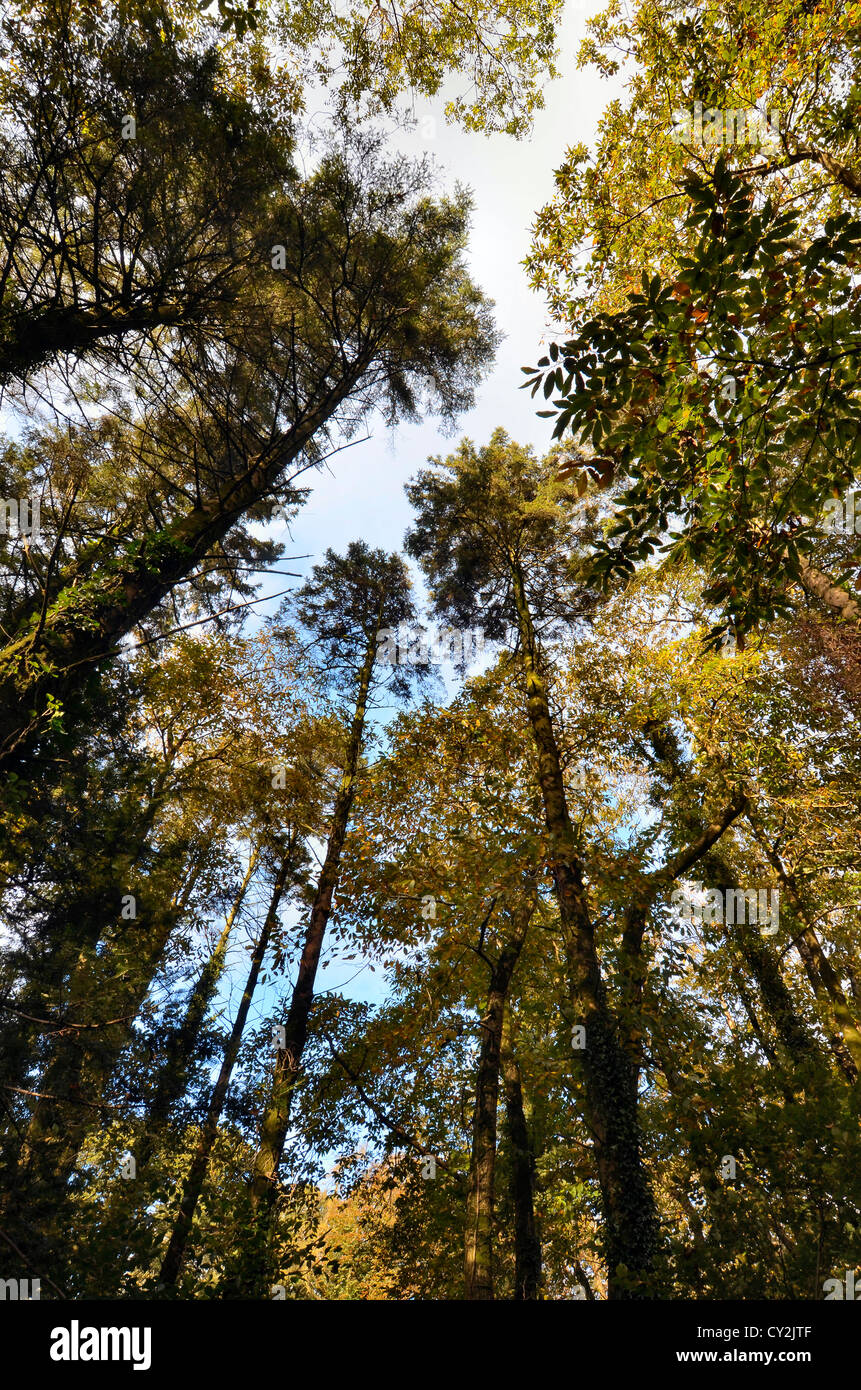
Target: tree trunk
777, 1001
478, 1240
30, 340
478, 1244
276, 1117
760, 960
527, 1246
610, 1095
175, 1253
829, 593
181, 1048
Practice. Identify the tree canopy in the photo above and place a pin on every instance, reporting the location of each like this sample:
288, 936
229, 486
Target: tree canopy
479, 921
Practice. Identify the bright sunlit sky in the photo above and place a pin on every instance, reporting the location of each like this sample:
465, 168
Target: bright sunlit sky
363, 497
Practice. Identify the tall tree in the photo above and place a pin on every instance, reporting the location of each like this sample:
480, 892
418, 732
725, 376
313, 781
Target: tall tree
345, 606
495, 532
363, 304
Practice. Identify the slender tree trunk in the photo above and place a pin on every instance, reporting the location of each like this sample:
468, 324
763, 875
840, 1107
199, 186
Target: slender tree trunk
527, 1246
276, 1117
610, 1094
478, 1241
760, 960
182, 1045
171, 1084
747, 1004
632, 970
172, 1263
478, 1245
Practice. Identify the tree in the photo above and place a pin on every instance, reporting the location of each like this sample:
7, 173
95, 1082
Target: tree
211, 708
136, 177
493, 533
445, 862
173, 1257
719, 391
365, 53
344, 606
404, 319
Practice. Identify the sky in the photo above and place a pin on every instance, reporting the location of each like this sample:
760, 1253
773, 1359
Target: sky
362, 496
